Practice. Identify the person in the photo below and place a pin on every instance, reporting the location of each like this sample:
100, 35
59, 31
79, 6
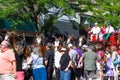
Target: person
102, 32
94, 31
57, 57
7, 62
73, 56
114, 57
89, 60
37, 61
65, 63
49, 60
109, 28
100, 63
19, 55
78, 71
109, 31
109, 67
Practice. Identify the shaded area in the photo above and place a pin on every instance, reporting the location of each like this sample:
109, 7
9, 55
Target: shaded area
27, 26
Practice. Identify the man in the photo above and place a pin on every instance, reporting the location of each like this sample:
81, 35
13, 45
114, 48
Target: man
49, 60
7, 62
109, 28
89, 60
95, 32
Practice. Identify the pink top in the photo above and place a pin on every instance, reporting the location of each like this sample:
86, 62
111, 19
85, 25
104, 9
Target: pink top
6, 59
103, 30
101, 55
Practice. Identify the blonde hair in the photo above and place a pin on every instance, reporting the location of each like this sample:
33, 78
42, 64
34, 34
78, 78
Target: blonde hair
113, 48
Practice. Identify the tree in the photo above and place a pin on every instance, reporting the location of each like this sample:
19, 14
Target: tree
18, 10
107, 10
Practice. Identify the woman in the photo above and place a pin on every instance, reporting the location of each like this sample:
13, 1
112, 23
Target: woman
100, 63
114, 58
65, 63
19, 58
37, 61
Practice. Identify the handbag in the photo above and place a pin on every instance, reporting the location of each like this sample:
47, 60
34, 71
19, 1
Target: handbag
116, 61
25, 66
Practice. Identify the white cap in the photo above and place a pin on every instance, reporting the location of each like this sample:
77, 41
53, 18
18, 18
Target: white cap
85, 46
63, 49
96, 23
70, 45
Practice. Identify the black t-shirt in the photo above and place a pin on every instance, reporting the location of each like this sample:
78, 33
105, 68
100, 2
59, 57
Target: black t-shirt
64, 61
49, 55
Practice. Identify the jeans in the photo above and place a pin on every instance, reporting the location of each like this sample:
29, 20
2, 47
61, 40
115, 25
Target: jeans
7, 77
65, 75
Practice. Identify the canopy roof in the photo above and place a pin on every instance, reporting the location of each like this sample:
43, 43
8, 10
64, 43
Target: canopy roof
27, 26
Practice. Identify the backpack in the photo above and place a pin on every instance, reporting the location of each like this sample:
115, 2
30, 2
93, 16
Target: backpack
116, 61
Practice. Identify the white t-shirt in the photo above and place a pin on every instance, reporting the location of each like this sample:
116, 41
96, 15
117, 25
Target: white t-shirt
95, 30
57, 58
110, 29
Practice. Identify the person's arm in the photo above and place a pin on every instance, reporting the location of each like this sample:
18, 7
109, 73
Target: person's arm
80, 63
70, 62
97, 57
46, 62
14, 68
46, 59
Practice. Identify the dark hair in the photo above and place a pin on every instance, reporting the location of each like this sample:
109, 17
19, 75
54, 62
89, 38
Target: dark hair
92, 47
49, 45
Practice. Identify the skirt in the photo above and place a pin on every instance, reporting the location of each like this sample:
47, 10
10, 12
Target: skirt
40, 74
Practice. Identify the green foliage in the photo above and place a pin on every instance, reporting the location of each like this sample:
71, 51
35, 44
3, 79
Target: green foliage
31, 10
107, 10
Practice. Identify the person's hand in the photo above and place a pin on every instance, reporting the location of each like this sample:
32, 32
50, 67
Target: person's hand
79, 66
15, 76
66, 69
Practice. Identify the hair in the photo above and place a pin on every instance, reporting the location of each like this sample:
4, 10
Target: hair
113, 48
19, 49
99, 47
49, 45
92, 47
6, 43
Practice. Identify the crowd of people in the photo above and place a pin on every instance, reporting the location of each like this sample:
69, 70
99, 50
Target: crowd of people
67, 61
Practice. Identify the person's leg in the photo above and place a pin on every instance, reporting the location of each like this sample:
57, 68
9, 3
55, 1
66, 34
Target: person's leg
73, 74
61, 75
67, 75
49, 72
91, 37
92, 74
101, 74
86, 75
57, 73
43, 74
96, 37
